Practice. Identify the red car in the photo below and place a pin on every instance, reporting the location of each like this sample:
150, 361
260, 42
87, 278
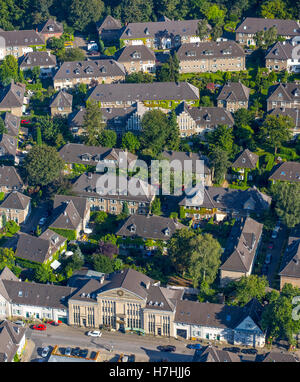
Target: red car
54, 323
25, 121
270, 246
39, 327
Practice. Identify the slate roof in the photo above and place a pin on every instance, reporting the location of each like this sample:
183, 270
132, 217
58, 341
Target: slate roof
290, 265
286, 171
209, 50
34, 248
160, 28
242, 245
135, 53
82, 154
51, 26
234, 92
245, 159
144, 92
275, 356
8, 145
291, 112
9, 177
253, 25
81, 204
41, 59
62, 99
55, 239
12, 96
284, 92
16, 200
10, 338
212, 354
151, 226
66, 216
206, 115
281, 50
88, 69
12, 124
109, 23
187, 156
22, 38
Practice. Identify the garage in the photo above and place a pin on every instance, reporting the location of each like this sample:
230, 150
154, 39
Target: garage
181, 333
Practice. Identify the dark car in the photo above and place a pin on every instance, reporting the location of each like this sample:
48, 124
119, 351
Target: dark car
264, 269
249, 351
232, 350
76, 352
166, 348
83, 353
194, 346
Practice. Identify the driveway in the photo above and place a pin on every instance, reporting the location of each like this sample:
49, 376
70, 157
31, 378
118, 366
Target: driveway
35, 216
276, 253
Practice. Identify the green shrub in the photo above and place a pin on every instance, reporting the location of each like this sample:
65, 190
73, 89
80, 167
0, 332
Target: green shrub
67, 233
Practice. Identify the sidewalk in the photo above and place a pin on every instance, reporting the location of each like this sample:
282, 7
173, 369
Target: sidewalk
29, 348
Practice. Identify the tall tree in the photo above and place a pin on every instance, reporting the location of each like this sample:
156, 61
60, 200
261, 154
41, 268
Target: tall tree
93, 124
108, 138
173, 137
222, 137
82, 13
219, 162
130, 142
9, 70
156, 206
3, 129
203, 30
179, 249
249, 287
287, 202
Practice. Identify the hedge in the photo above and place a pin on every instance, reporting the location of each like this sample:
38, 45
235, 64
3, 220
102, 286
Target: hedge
67, 233
27, 264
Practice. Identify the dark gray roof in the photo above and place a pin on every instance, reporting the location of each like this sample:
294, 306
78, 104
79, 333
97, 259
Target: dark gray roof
145, 92
62, 99
245, 159
284, 92
66, 216
281, 50
212, 354
12, 124
276, 356
12, 96
34, 248
150, 227
51, 26
288, 171
22, 38
41, 59
207, 115
234, 92
88, 69
109, 23
209, 50
252, 25
16, 200
10, 178
291, 112
186, 156
135, 53
8, 145
242, 245
290, 265
10, 338
160, 28
81, 204
55, 239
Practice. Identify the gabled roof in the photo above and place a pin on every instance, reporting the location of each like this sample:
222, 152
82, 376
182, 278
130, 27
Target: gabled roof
245, 159
42, 59
284, 92
135, 53
16, 200
151, 226
22, 38
276, 356
66, 216
81, 204
212, 354
9, 177
10, 338
109, 23
12, 124
251, 25
51, 26
33, 248
286, 111
234, 91
62, 99
12, 96
187, 156
8, 145
286, 171
281, 50
290, 266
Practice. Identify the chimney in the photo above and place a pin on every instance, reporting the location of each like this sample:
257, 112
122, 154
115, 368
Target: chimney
102, 279
147, 284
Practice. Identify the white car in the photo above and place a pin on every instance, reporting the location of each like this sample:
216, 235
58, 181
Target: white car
45, 351
42, 221
94, 333
20, 323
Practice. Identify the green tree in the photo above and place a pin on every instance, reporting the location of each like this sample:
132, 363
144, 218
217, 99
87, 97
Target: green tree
170, 70
139, 77
156, 206
42, 273
7, 258
9, 70
203, 29
100, 217
179, 249
93, 124
136, 10
130, 142
287, 202
125, 209
249, 287
71, 54
276, 130
43, 165
222, 137
102, 263
243, 117
81, 14
3, 129
36, 73
12, 227
38, 231
219, 163
173, 138
108, 138
274, 9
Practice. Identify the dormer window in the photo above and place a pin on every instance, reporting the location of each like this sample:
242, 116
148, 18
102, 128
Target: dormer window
136, 55
129, 33
296, 92
207, 117
191, 53
147, 31
132, 228
103, 69
167, 232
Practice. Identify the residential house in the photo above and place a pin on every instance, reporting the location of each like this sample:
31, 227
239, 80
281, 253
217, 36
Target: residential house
283, 55
190, 158
66, 220
110, 196
285, 171
156, 94
290, 266
61, 104
16, 207
51, 28
291, 112
11, 123
276, 356
246, 31
89, 72
12, 340
218, 322
8, 148
33, 300
163, 34
241, 250
211, 353
245, 162
284, 96
219, 202
10, 180
43, 249
44, 60
82, 206
211, 56
19, 42
234, 96
137, 58
12, 99
109, 30
201, 120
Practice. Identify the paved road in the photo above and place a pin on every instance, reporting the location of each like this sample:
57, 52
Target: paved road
276, 252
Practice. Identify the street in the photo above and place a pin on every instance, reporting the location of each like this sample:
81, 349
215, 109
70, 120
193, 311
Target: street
276, 252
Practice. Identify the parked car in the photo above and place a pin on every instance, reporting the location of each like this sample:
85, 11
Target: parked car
166, 348
274, 234
194, 346
264, 270
20, 323
25, 122
39, 327
83, 353
232, 349
42, 221
54, 323
268, 258
68, 351
93, 53
249, 351
94, 333
75, 351
45, 351
271, 246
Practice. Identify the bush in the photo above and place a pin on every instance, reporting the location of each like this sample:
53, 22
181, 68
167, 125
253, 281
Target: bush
67, 233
